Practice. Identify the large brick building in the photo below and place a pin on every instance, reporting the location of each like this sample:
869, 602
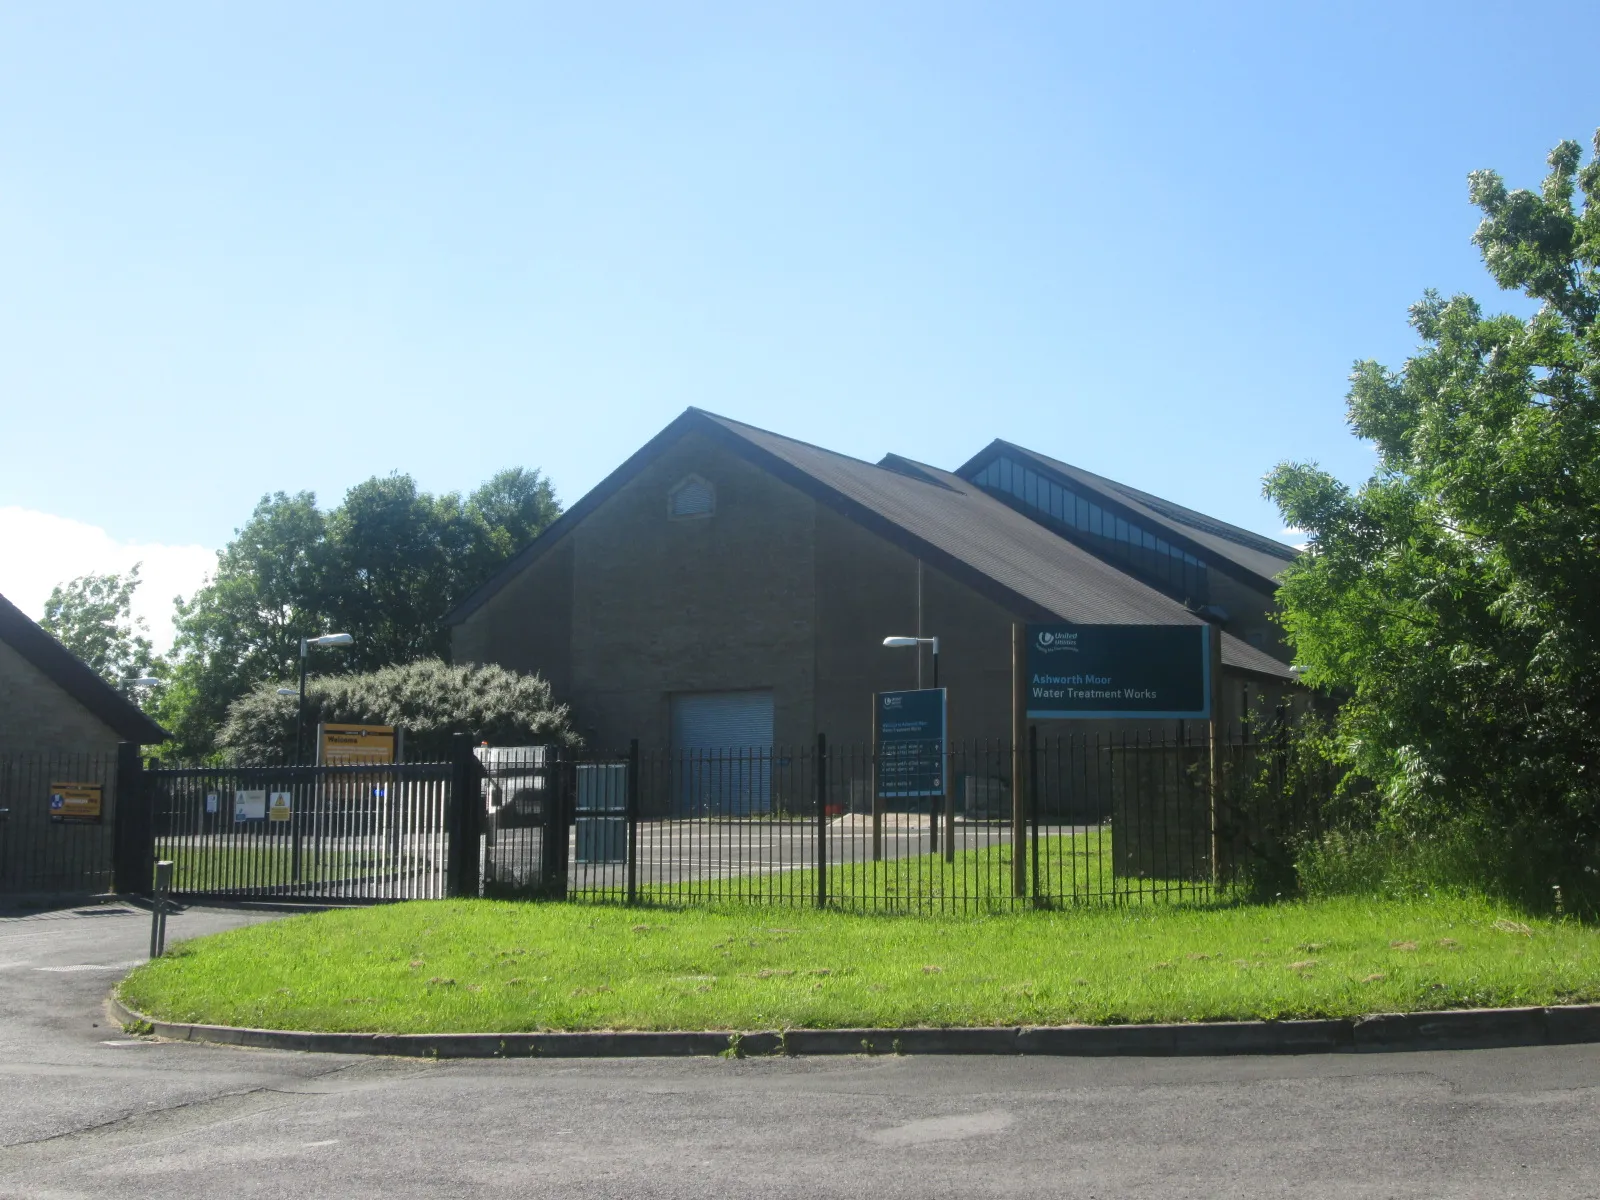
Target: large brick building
728, 586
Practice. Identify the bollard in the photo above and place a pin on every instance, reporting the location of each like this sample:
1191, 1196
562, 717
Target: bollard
158, 909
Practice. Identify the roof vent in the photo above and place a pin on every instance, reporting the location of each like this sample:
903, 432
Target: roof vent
693, 497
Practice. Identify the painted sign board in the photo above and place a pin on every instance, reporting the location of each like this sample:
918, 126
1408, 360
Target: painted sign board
1090, 671
75, 803
250, 806
280, 806
911, 742
346, 745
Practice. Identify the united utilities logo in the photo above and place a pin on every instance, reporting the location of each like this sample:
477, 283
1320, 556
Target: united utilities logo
1053, 642
894, 701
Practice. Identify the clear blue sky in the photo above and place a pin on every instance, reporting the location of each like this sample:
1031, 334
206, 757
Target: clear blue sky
292, 247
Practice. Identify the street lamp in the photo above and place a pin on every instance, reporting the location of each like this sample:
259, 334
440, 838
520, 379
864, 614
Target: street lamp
141, 684
908, 642
327, 639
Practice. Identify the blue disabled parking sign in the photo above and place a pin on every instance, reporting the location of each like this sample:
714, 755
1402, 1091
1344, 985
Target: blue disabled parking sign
911, 743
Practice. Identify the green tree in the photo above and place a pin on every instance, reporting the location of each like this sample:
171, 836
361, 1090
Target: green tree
430, 700
513, 506
387, 565
92, 617
1451, 599
394, 558
246, 622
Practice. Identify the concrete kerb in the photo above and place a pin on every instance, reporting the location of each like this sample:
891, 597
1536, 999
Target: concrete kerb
1468, 1029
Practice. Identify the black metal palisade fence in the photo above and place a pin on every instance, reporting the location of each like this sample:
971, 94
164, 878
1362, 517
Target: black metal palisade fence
1070, 819
42, 848
1097, 819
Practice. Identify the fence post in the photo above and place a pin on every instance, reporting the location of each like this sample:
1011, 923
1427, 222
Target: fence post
822, 820
633, 821
553, 844
158, 909
466, 810
133, 837
949, 799
873, 782
1033, 804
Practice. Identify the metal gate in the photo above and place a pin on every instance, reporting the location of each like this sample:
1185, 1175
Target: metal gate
313, 833
524, 849
45, 846
546, 815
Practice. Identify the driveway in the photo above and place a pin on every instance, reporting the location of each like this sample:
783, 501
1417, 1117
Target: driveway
86, 1111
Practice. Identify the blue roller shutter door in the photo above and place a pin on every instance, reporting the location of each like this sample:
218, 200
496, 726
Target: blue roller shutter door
723, 746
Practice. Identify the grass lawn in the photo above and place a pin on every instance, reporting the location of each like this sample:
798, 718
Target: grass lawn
481, 965
1070, 867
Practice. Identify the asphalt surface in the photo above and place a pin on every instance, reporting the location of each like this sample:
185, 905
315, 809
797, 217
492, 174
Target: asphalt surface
86, 1110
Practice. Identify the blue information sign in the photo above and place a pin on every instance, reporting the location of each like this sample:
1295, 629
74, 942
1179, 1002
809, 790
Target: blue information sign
911, 743
1152, 671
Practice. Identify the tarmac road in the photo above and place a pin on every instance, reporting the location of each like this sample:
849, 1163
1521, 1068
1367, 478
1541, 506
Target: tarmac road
87, 1111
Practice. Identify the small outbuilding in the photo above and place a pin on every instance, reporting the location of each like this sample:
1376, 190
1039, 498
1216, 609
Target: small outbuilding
60, 728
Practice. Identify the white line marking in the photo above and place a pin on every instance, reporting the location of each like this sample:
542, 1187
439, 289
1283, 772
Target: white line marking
121, 966
310, 1145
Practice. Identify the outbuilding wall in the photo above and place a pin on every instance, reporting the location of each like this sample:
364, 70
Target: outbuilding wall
46, 737
37, 716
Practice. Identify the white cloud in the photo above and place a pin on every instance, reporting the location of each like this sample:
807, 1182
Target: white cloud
39, 550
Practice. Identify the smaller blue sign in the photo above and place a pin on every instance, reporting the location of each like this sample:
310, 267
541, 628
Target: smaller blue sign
911, 743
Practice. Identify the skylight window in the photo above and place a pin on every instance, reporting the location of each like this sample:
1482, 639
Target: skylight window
1181, 573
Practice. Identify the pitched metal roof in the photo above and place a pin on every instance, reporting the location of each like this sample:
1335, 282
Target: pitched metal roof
75, 677
1259, 558
949, 522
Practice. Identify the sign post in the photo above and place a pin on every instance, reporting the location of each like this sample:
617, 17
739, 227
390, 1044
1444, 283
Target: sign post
1214, 661
909, 729
349, 746
1020, 640
1099, 672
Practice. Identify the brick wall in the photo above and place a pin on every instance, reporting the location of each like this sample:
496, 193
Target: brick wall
36, 715
635, 605
772, 591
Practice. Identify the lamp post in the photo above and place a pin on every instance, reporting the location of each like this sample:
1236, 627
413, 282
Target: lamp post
901, 642
143, 683
327, 639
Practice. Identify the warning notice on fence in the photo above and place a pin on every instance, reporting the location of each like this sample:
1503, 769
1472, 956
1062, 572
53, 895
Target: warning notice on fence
281, 808
249, 806
74, 802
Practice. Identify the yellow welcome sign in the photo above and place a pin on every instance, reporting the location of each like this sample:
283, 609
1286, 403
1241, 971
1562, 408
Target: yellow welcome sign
345, 745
